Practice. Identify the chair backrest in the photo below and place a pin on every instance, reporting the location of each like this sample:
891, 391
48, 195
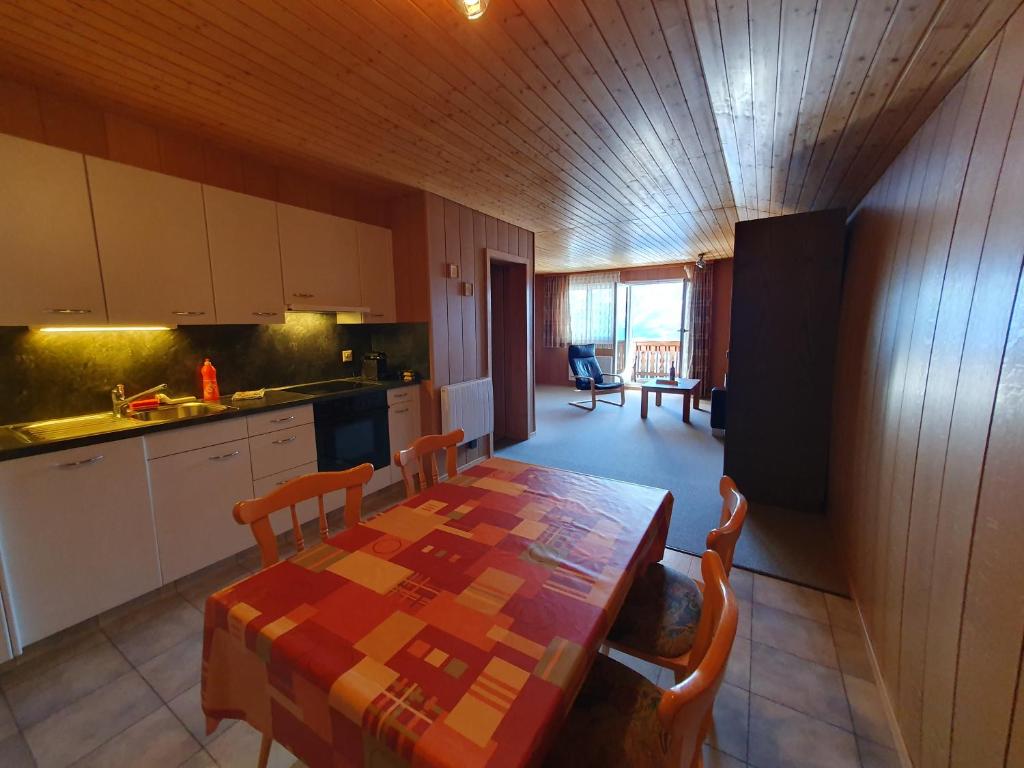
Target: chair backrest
685, 708
421, 456
256, 512
583, 362
734, 513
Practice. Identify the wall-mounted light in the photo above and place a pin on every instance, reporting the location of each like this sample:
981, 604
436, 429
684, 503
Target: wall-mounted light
101, 328
473, 9
701, 263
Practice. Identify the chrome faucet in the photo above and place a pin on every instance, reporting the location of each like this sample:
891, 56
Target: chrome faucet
119, 403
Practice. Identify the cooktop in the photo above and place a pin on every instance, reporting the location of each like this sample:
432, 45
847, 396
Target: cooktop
328, 387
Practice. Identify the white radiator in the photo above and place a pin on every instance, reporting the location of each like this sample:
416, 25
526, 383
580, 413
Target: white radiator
468, 406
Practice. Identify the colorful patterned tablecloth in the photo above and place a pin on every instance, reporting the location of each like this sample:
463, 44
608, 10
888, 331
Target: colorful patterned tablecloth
452, 630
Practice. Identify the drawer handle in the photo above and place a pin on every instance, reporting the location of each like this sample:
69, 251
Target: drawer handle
404, 410
400, 395
82, 463
283, 482
266, 314
188, 313
303, 295
223, 456
282, 420
62, 311
284, 440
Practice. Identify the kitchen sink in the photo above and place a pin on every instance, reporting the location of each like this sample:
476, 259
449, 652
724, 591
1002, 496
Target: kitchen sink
178, 412
77, 426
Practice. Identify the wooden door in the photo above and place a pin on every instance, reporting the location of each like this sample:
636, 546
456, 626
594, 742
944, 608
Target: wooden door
245, 257
376, 273
787, 279
508, 304
51, 275
151, 232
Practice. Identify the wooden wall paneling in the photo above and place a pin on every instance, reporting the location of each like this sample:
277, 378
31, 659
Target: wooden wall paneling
20, 114
260, 179
181, 155
453, 255
133, 142
963, 466
721, 320
526, 251
480, 290
224, 168
470, 322
440, 370
499, 372
73, 124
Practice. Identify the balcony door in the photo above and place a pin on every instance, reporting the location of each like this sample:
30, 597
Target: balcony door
652, 329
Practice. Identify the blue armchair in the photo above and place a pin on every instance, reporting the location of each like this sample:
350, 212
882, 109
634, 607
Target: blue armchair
587, 374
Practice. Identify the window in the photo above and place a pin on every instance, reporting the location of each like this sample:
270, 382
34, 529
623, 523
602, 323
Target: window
592, 313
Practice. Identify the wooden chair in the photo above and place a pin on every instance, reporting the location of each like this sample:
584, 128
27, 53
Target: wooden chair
621, 718
421, 456
660, 617
256, 512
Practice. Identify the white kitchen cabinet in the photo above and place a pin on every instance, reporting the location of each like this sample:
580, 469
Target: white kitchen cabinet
376, 273
285, 449
271, 421
306, 510
151, 233
403, 422
51, 274
193, 496
245, 257
76, 532
319, 259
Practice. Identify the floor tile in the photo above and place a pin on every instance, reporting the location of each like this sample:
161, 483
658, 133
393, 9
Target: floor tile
737, 672
682, 562
156, 740
715, 759
742, 583
176, 669
852, 652
51, 652
876, 756
868, 711
33, 699
81, 727
239, 746
746, 620
781, 737
842, 612
651, 671
802, 637
729, 730
802, 685
188, 707
14, 752
791, 598
7, 725
161, 630
199, 586
201, 759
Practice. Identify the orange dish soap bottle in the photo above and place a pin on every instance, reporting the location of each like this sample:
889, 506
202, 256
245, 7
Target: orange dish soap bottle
211, 392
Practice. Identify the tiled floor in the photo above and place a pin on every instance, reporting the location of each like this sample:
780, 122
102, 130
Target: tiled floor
123, 690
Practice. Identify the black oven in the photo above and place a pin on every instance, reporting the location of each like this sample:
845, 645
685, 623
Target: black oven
352, 429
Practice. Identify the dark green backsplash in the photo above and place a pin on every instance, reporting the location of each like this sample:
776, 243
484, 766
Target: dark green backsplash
50, 375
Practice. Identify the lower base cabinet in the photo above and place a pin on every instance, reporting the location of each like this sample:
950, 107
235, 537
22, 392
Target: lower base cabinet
194, 493
76, 536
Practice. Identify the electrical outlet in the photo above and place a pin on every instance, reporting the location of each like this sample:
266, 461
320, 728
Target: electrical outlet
346, 355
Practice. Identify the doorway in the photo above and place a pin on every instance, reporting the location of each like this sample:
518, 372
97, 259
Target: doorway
508, 312
652, 331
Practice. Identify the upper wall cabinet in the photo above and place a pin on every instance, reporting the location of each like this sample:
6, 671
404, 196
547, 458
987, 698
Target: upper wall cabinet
244, 257
319, 258
376, 273
151, 232
50, 271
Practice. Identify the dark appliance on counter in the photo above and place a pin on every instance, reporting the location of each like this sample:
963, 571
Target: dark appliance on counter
352, 429
375, 366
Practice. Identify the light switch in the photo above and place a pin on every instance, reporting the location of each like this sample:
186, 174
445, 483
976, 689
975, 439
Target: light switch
346, 355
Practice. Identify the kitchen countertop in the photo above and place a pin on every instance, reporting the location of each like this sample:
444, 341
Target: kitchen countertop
13, 447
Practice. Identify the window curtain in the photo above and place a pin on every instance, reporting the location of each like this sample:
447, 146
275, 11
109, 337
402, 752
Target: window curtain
592, 308
700, 328
556, 311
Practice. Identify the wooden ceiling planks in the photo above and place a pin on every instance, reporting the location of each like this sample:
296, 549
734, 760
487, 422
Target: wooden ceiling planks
623, 132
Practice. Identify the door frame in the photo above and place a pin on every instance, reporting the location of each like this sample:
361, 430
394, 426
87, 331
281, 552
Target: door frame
522, 341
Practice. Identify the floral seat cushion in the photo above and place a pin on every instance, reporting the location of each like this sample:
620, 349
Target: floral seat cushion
660, 614
614, 721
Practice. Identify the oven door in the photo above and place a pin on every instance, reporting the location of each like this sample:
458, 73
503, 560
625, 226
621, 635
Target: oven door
351, 431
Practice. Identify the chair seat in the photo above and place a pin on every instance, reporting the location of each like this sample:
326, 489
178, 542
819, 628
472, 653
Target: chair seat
614, 721
660, 614
605, 385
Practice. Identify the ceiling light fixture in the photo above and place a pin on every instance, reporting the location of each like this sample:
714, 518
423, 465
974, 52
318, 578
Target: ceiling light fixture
700, 261
473, 9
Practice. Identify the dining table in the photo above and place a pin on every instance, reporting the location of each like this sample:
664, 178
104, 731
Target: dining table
453, 629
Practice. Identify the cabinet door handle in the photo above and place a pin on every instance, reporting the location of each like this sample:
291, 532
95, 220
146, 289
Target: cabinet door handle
69, 311
303, 295
284, 440
82, 463
282, 482
404, 410
282, 420
399, 395
223, 456
266, 314
188, 313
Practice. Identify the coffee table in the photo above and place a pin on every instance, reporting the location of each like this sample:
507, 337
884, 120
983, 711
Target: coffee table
686, 387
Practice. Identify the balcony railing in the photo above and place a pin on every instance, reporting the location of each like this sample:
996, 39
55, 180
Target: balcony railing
653, 359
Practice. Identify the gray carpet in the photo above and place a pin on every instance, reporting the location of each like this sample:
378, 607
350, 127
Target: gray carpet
687, 460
